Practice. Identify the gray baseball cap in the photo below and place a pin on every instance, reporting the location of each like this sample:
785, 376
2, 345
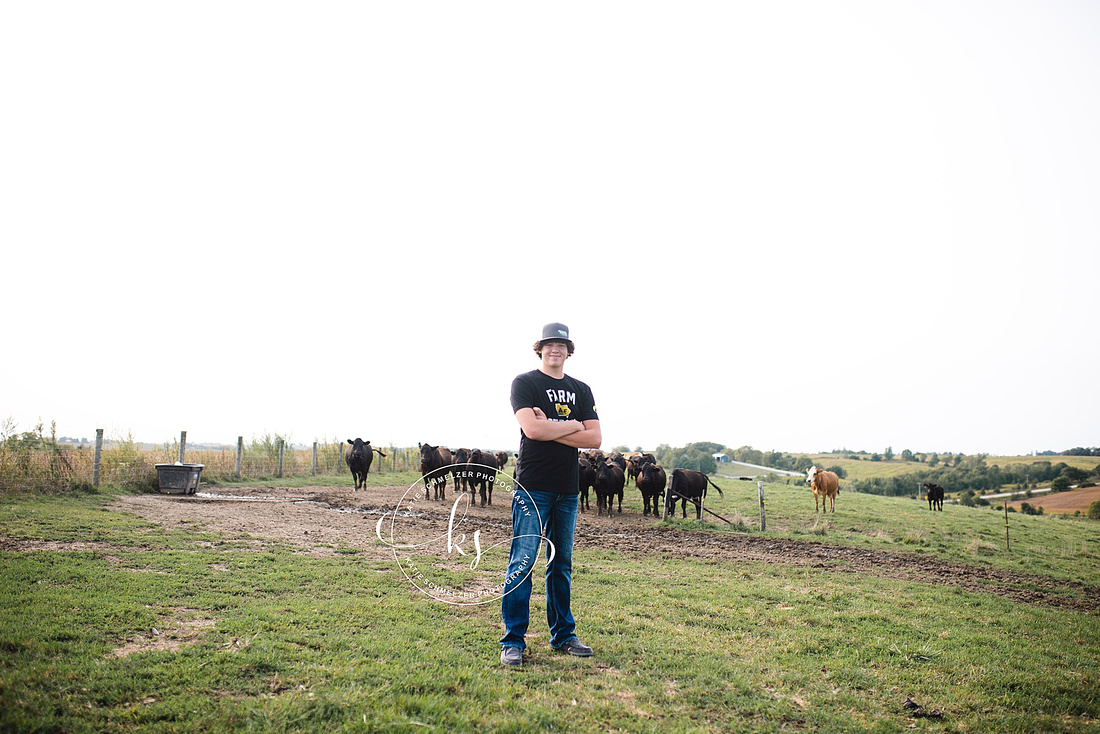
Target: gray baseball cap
556, 333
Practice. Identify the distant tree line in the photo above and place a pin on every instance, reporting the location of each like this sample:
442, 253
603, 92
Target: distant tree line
975, 476
700, 457
933, 458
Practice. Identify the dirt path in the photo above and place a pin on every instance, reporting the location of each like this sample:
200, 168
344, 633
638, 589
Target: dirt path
321, 519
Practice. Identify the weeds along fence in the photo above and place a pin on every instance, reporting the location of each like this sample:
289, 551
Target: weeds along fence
129, 465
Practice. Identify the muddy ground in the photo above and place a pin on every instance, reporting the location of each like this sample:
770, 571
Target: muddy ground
321, 519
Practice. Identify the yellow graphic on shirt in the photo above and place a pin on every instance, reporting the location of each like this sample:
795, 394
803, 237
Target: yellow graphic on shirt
563, 411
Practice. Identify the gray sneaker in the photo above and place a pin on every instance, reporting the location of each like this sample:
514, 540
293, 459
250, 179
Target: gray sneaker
511, 657
576, 647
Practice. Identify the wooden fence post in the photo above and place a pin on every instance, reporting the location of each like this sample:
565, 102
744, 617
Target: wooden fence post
98, 456
1007, 546
183, 444
315, 457
240, 450
282, 444
760, 489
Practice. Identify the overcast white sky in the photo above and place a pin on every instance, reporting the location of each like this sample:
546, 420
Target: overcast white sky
799, 226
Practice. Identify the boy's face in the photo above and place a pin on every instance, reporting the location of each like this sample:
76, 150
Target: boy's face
554, 353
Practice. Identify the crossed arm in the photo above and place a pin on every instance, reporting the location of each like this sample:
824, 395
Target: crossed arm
579, 435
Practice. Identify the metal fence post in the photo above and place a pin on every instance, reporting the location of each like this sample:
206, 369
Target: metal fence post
98, 456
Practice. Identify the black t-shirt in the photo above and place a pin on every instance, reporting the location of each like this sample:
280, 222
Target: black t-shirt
549, 466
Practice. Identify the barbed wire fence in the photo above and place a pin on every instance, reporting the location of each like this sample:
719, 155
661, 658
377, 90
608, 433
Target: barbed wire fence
127, 464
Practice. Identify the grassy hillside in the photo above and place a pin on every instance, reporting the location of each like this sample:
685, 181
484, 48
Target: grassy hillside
864, 468
1065, 547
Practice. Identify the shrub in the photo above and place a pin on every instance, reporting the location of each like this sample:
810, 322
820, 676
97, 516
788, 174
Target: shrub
1094, 510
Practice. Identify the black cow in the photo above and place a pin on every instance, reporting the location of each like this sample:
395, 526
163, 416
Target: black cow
588, 480
651, 481
502, 460
634, 463
609, 482
595, 457
435, 462
460, 472
688, 485
483, 472
359, 456
934, 494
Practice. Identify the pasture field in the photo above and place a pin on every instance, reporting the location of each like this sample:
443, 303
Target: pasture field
1081, 462
269, 606
866, 469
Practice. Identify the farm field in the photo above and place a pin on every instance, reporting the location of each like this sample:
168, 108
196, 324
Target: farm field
1075, 500
273, 606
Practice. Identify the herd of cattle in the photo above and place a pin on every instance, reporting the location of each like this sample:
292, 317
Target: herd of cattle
605, 475
470, 470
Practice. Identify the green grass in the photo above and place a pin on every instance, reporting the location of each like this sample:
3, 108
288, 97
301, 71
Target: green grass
285, 642
1060, 547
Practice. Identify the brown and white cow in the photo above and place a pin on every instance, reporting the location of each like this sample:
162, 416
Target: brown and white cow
825, 484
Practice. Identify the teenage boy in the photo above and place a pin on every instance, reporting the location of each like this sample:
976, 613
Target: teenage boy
556, 415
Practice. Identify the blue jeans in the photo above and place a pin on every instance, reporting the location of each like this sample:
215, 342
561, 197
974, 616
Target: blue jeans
558, 515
